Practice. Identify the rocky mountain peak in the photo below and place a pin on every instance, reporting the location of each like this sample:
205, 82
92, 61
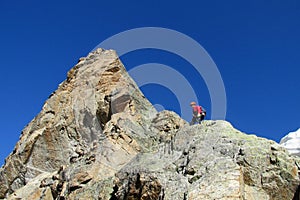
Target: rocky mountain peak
98, 137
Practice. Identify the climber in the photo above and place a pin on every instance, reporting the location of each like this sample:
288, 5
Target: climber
198, 113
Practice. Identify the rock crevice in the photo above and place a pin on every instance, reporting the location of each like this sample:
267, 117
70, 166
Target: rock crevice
98, 137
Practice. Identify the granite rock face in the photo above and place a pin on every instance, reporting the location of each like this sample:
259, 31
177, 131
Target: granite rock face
98, 137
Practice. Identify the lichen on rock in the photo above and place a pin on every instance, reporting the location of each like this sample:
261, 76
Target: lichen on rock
98, 137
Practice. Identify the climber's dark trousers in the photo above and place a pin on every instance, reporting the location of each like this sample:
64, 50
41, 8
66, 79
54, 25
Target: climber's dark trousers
196, 120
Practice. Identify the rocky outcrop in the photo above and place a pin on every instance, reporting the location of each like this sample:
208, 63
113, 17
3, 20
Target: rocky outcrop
292, 142
97, 104
98, 137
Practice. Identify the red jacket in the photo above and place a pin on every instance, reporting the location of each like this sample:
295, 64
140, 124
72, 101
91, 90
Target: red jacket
197, 110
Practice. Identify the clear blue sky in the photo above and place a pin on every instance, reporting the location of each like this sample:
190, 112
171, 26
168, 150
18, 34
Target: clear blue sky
256, 46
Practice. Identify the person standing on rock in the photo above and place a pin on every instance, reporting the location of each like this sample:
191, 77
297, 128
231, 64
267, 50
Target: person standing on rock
199, 113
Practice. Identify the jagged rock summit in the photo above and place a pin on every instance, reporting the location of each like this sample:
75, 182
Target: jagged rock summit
98, 137
292, 142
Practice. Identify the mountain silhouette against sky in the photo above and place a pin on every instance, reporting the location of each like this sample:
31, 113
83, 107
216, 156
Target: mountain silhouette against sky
98, 137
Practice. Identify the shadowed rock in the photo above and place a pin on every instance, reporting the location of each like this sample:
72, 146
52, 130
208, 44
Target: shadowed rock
98, 137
